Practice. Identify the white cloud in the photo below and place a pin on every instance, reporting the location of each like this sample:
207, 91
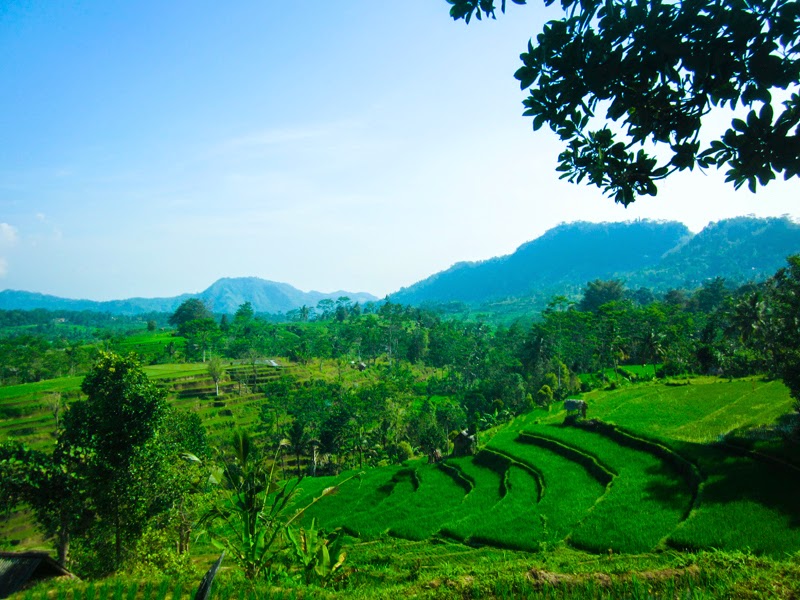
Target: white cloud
8, 234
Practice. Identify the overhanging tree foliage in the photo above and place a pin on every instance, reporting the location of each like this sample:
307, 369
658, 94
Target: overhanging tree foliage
652, 70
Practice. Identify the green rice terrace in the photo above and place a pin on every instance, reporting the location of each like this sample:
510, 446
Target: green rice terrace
684, 489
628, 487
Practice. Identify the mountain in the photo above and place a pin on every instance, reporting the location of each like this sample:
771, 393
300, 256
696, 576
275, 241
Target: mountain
740, 250
227, 294
223, 296
653, 254
14, 299
568, 255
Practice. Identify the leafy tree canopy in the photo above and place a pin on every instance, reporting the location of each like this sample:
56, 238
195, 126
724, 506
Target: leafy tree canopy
599, 292
653, 69
189, 310
116, 427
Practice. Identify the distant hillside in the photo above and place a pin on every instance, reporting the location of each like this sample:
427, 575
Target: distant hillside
227, 294
565, 256
223, 296
657, 255
740, 250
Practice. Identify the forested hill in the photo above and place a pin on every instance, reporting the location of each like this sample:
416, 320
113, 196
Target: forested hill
568, 255
657, 255
223, 296
739, 250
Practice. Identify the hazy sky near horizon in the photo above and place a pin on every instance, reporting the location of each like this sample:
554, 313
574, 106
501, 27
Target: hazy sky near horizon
150, 148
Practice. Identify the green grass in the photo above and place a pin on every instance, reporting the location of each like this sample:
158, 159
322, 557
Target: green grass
488, 488
646, 499
642, 371
569, 490
352, 498
702, 411
514, 522
438, 497
26, 391
746, 503
173, 370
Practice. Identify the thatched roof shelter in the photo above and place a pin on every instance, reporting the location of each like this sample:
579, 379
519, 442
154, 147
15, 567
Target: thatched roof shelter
19, 570
465, 444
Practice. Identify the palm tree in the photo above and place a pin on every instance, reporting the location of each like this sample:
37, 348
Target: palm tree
304, 313
652, 342
748, 317
297, 439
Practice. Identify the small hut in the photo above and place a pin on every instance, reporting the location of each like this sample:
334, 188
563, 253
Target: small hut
464, 444
19, 570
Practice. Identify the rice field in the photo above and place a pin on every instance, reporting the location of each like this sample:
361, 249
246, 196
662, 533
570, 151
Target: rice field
652, 482
645, 501
700, 411
653, 474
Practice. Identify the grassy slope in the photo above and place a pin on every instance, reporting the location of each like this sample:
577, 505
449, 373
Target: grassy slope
648, 500
701, 411
746, 500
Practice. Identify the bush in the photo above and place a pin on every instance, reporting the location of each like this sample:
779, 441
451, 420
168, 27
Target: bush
544, 396
155, 555
401, 452
742, 363
671, 368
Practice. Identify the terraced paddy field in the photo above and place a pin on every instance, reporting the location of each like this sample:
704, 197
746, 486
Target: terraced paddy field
661, 476
656, 471
26, 410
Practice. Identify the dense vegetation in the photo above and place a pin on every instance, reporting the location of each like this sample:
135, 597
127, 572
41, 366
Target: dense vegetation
300, 446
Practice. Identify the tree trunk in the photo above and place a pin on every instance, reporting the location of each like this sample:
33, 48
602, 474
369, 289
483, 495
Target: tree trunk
117, 539
313, 461
62, 542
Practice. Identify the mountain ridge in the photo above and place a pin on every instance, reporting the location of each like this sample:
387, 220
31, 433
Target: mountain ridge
223, 296
658, 255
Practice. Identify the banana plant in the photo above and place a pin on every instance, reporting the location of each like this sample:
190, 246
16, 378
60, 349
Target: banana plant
254, 508
320, 555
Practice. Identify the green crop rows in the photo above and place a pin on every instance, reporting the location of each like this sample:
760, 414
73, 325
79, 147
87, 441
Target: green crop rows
626, 488
676, 470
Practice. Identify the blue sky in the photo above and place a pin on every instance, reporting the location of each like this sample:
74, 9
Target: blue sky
150, 148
